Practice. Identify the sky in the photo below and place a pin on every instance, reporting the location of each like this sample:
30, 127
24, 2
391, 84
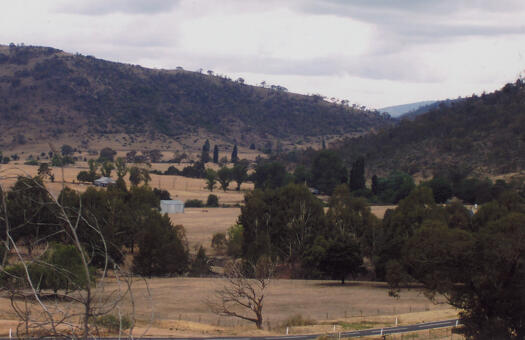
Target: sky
371, 52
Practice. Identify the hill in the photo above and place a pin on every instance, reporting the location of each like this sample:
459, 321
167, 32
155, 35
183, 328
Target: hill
46, 94
400, 110
483, 133
426, 108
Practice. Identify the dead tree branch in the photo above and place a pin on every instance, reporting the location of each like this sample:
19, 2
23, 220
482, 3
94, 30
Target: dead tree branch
243, 297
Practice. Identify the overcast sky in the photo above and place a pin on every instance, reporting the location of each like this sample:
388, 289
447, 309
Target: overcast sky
371, 52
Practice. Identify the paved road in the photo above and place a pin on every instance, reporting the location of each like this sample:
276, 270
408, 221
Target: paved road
354, 334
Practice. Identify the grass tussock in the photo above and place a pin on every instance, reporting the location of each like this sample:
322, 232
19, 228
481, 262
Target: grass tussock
298, 320
357, 325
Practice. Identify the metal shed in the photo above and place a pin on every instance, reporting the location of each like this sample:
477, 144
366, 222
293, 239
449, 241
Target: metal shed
103, 181
171, 206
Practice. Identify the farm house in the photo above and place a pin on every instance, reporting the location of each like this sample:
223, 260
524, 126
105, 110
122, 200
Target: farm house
171, 206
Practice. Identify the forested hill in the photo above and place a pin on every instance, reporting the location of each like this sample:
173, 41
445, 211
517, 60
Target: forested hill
45, 93
426, 108
485, 134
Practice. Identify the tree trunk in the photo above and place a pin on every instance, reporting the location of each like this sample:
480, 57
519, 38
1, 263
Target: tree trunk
259, 322
87, 312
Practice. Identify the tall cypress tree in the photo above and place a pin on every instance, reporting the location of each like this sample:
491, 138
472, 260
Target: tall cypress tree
216, 154
235, 157
205, 156
375, 185
357, 175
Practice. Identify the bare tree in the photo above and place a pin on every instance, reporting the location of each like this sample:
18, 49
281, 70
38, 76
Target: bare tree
243, 297
81, 296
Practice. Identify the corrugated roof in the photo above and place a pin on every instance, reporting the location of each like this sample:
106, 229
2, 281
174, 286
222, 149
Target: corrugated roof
169, 202
106, 180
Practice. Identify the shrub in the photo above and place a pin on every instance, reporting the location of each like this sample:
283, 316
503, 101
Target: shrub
200, 266
235, 240
298, 320
106, 154
85, 176
194, 171
213, 201
219, 241
112, 323
31, 162
61, 161
194, 204
162, 194
172, 171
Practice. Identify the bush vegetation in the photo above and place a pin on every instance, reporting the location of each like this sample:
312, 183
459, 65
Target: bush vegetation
87, 88
113, 323
484, 131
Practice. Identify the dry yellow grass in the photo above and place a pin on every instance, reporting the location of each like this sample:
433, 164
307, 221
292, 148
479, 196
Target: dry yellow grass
434, 334
202, 223
379, 210
184, 188
179, 306
179, 187
183, 299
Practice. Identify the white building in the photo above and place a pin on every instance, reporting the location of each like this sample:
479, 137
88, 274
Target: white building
103, 181
171, 206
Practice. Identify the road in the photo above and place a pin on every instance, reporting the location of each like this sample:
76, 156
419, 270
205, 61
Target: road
354, 334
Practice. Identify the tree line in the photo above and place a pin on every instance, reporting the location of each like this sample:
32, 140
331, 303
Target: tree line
128, 220
474, 259
324, 170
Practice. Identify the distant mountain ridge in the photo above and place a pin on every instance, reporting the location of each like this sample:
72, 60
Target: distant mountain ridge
46, 94
400, 110
429, 107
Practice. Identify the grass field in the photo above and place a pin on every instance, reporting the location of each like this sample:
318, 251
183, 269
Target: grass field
179, 307
202, 223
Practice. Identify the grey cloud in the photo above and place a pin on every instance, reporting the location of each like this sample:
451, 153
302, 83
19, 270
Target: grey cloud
103, 7
416, 21
425, 7
391, 67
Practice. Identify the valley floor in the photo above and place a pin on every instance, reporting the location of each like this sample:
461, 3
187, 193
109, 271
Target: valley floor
178, 308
